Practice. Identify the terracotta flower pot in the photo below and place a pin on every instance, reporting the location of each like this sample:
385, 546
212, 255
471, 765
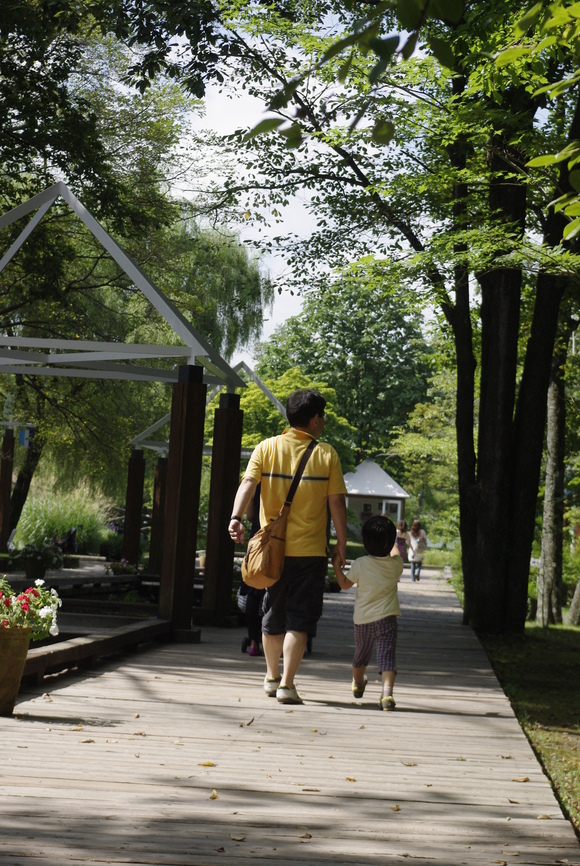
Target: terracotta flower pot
13, 650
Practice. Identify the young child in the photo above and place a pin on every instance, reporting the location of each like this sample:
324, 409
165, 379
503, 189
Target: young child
376, 606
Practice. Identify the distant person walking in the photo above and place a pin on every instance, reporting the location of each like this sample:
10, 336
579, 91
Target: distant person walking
376, 606
417, 548
403, 540
293, 605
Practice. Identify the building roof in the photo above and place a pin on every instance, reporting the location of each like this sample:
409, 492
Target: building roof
368, 479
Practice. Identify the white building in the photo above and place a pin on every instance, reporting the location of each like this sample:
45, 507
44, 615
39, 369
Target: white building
371, 491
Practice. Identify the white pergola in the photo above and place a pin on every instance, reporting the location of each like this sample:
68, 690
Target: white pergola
162, 446
101, 360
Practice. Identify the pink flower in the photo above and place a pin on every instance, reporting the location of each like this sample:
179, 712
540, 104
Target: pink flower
24, 606
5, 624
31, 591
8, 601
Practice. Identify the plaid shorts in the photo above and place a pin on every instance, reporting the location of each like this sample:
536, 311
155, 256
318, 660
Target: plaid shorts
383, 632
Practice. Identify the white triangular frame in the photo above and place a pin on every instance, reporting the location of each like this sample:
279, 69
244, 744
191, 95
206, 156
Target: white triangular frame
162, 447
96, 360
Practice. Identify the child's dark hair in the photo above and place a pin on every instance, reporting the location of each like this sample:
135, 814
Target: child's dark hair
378, 535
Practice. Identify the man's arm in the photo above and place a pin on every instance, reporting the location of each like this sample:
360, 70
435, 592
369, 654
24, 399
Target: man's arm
243, 498
337, 505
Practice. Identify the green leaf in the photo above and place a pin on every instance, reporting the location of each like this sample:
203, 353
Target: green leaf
293, 135
385, 48
447, 10
573, 210
409, 46
283, 96
342, 73
574, 179
509, 55
572, 229
265, 126
541, 161
340, 46
529, 19
383, 131
442, 51
377, 70
410, 12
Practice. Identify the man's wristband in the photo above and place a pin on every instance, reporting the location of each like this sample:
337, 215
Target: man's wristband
235, 517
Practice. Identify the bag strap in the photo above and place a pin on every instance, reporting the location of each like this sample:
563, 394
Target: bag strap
299, 471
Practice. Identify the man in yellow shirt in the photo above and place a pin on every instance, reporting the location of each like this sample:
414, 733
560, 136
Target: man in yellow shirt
294, 604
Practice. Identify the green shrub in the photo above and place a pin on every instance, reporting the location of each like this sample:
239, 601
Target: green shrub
51, 515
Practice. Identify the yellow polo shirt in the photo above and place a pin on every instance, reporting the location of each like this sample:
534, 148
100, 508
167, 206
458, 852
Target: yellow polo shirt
274, 463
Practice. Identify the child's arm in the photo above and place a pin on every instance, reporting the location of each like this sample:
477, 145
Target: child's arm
343, 581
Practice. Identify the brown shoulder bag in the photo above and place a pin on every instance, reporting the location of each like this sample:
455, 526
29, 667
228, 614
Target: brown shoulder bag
264, 560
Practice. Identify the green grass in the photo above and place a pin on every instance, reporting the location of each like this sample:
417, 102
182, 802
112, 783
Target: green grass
539, 674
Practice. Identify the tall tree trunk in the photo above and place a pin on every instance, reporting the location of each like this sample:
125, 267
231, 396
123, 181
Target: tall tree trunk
500, 320
530, 418
550, 573
22, 485
574, 616
460, 320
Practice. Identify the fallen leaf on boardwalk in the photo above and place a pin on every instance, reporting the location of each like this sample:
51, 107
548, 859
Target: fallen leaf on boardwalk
362, 727
25, 747
543, 818
396, 808
408, 764
207, 764
331, 756
177, 743
245, 724
139, 734
306, 836
350, 779
314, 730
237, 838
311, 789
87, 741
137, 715
513, 801
268, 776
137, 755
507, 757
500, 862
214, 795
523, 779
111, 741
221, 850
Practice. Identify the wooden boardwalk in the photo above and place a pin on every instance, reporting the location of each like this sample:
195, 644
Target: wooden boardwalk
172, 755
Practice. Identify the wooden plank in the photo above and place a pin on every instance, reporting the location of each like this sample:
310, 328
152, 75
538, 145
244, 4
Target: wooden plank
118, 765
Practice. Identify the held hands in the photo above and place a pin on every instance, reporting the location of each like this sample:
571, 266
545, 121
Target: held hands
236, 531
338, 557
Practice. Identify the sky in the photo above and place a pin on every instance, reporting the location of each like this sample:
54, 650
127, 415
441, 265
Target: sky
224, 114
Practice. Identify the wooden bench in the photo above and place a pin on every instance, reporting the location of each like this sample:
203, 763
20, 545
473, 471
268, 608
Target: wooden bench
87, 649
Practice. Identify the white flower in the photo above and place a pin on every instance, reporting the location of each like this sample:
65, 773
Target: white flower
54, 629
39, 582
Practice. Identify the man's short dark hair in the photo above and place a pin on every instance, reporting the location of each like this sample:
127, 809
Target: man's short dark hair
301, 406
378, 535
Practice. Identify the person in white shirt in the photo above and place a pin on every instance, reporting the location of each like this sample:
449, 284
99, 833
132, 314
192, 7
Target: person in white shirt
376, 606
417, 548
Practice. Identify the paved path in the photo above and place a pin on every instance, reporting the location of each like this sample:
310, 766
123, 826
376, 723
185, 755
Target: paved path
173, 755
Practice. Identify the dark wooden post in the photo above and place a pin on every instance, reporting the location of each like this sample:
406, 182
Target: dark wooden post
225, 477
158, 517
134, 507
6, 466
182, 498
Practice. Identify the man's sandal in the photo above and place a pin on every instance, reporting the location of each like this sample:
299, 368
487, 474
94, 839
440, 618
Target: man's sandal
387, 703
271, 685
358, 691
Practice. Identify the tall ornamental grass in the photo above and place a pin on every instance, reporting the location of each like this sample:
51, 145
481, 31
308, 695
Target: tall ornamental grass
50, 515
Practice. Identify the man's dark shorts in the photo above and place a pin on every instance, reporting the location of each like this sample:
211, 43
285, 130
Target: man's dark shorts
294, 603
